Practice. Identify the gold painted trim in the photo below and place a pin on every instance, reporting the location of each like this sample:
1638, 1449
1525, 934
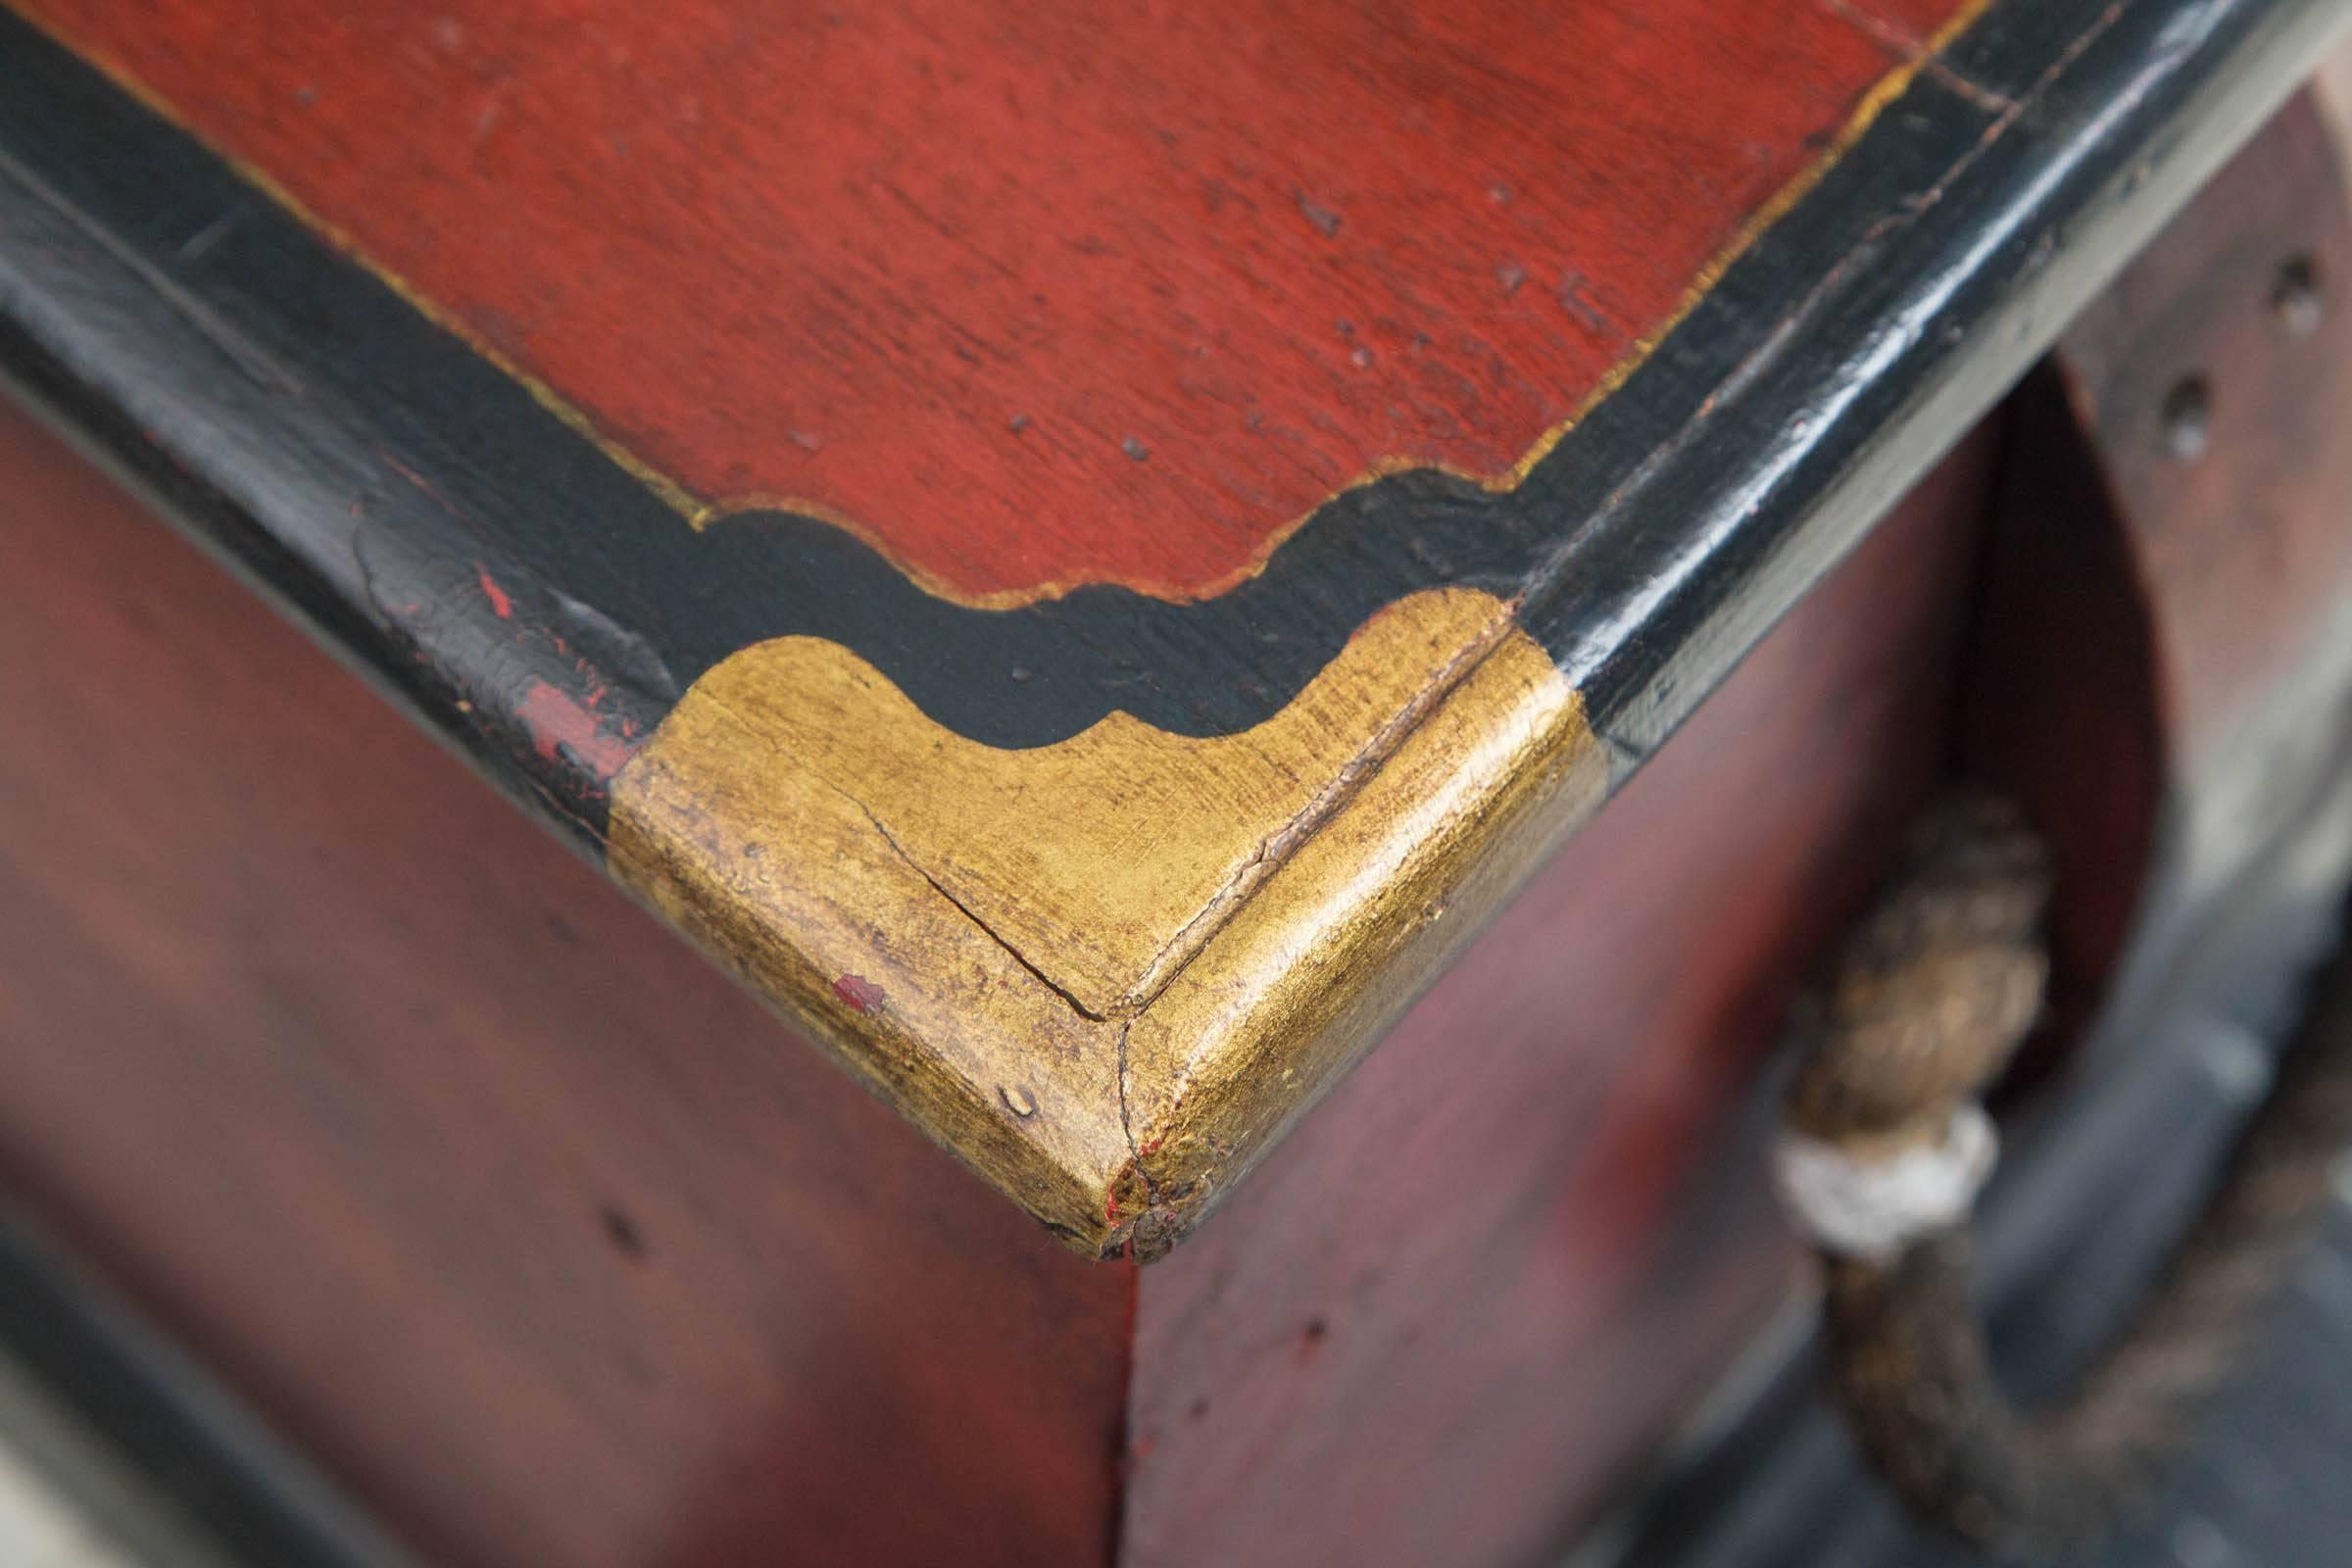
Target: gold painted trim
1106, 972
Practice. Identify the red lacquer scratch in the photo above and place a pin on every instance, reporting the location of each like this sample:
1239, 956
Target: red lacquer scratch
500, 605
559, 724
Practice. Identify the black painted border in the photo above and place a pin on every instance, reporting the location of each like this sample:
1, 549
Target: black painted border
469, 547
1648, 552
1860, 338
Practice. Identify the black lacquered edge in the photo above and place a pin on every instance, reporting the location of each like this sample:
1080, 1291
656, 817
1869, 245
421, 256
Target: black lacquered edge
380, 488
1981, 210
494, 566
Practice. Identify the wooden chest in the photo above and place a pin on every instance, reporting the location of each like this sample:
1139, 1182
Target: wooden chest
1099, 562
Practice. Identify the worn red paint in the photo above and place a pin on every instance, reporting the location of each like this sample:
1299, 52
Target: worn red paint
559, 725
1039, 293
500, 605
858, 993
789, 1378
1480, 1252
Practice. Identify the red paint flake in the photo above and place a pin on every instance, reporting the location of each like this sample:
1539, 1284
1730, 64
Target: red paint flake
500, 605
559, 724
860, 993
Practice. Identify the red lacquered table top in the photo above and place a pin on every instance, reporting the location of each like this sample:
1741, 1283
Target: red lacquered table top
1078, 548
1036, 295
1081, 551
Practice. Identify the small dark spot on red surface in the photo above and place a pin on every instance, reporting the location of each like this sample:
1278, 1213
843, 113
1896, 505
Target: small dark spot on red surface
622, 1231
1572, 295
1311, 1337
1314, 212
860, 993
500, 605
1199, 1408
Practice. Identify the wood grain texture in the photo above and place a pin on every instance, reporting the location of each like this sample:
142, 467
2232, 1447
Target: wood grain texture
568, 1255
1079, 965
2244, 302
2155, 666
1093, 856
1482, 1218
535, 594
1513, 1246
2172, 536
1034, 295
514, 1213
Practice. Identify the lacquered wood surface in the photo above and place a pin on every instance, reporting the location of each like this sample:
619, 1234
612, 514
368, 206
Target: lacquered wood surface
221, 320
2174, 537
1504, 1260
1619, 1267
515, 1216
486, 1191
2160, 664
1034, 295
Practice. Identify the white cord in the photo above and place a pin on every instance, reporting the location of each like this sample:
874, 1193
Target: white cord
1874, 1208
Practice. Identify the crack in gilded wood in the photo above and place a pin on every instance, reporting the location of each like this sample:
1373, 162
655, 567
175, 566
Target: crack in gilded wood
1201, 929
965, 909
1104, 878
1175, 917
